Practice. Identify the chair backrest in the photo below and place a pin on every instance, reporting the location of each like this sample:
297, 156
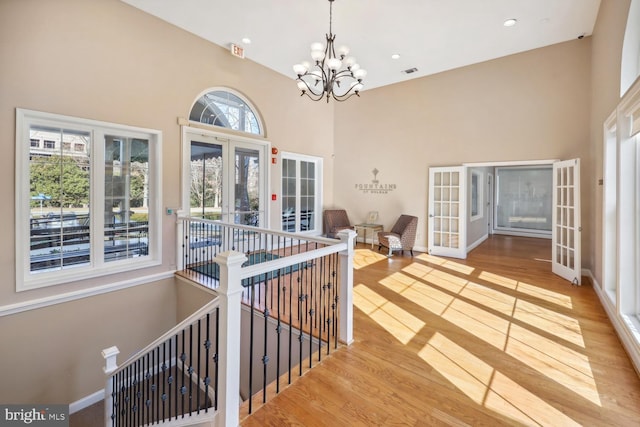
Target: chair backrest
333, 218
406, 226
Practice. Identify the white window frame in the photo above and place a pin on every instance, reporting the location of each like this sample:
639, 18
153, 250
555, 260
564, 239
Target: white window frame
317, 229
25, 279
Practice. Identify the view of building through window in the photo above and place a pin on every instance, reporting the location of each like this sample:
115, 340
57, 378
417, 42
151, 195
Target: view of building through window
60, 192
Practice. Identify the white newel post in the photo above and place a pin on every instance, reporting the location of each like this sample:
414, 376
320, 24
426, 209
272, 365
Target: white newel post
109, 354
345, 302
230, 293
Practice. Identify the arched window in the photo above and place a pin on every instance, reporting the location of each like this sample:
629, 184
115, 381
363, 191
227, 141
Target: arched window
226, 109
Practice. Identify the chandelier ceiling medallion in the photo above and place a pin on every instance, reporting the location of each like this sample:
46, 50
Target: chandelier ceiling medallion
330, 76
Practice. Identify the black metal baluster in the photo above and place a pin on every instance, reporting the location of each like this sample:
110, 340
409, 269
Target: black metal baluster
115, 395
300, 316
311, 310
265, 356
278, 331
336, 297
216, 357
138, 393
185, 240
164, 380
190, 368
199, 368
290, 323
183, 356
321, 289
147, 403
122, 412
207, 345
175, 377
130, 397
154, 388
251, 322
270, 251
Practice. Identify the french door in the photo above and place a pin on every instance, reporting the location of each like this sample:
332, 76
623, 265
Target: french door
565, 249
224, 178
447, 211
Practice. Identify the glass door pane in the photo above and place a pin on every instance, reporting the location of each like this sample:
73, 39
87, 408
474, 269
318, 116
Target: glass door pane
289, 213
206, 192
247, 206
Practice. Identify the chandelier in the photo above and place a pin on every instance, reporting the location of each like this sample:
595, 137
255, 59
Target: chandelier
330, 76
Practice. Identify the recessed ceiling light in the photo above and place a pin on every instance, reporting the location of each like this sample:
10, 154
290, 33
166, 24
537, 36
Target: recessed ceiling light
395, 56
510, 22
246, 40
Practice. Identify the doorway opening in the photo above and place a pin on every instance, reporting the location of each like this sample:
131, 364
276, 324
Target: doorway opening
529, 199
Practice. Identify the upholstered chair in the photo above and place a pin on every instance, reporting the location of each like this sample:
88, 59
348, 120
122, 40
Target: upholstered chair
334, 221
402, 236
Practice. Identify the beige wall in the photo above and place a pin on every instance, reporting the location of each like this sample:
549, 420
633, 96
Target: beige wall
107, 61
190, 298
52, 355
534, 105
605, 94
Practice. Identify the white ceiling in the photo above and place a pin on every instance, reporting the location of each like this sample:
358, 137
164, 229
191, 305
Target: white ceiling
430, 35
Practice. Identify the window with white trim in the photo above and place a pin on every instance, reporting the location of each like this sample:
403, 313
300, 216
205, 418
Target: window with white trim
223, 108
477, 196
89, 212
301, 192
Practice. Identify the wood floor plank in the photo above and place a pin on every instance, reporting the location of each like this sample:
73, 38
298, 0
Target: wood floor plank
495, 339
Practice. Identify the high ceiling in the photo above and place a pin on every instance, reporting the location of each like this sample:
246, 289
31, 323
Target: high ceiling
430, 35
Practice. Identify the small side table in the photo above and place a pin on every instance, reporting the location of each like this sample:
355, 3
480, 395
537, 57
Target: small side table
374, 228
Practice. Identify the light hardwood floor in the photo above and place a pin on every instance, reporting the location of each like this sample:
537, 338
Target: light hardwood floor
495, 339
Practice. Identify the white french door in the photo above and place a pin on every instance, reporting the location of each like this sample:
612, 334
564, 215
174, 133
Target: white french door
566, 241
224, 178
447, 211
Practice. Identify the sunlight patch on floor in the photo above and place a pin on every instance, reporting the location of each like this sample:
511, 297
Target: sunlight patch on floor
545, 294
528, 289
398, 322
418, 269
488, 387
419, 293
446, 263
478, 322
447, 281
557, 362
496, 279
488, 314
563, 327
490, 298
365, 257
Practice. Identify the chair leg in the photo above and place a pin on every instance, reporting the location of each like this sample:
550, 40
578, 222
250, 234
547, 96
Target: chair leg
390, 252
411, 250
379, 247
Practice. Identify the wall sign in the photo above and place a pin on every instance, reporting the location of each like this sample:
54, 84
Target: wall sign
375, 186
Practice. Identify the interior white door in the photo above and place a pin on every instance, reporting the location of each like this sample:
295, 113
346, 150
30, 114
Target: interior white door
447, 211
565, 252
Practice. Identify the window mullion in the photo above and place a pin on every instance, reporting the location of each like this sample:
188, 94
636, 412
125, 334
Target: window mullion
96, 200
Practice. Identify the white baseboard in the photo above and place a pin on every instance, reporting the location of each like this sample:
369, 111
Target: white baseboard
630, 340
477, 243
86, 401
